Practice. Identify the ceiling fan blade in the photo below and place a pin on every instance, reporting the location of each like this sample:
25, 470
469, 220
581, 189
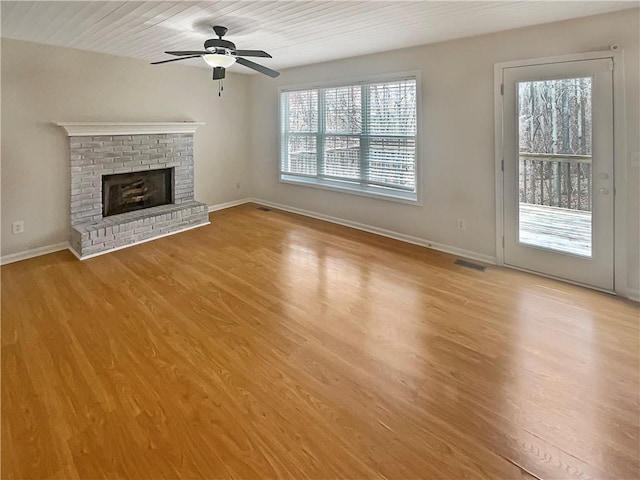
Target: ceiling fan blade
252, 53
175, 59
188, 52
257, 67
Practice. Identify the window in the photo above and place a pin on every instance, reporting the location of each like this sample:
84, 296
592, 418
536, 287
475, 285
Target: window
360, 138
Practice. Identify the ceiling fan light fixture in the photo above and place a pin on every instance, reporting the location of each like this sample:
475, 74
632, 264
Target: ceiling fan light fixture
219, 60
221, 54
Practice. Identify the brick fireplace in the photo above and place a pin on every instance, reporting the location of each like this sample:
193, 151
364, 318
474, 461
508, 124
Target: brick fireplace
127, 159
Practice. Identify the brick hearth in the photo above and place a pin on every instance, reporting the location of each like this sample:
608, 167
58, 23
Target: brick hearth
93, 156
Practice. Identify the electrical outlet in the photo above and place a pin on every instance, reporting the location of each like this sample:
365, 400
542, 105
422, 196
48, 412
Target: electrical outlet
17, 227
237, 184
461, 224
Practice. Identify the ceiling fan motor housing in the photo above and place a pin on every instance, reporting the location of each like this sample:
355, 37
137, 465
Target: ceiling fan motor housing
214, 43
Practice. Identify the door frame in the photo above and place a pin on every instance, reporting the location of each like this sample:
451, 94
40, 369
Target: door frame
619, 159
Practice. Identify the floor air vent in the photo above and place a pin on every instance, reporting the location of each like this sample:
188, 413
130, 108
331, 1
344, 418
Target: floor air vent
465, 263
264, 209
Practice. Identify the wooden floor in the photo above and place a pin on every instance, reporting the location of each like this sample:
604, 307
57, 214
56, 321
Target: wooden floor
556, 228
269, 345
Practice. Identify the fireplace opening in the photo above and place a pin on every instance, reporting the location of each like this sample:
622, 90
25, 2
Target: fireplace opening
125, 192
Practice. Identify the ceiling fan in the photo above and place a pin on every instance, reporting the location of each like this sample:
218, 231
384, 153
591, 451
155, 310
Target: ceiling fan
221, 54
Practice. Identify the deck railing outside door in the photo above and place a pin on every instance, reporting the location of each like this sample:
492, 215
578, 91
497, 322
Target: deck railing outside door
556, 180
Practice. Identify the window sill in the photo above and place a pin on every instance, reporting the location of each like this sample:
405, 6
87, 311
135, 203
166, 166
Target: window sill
370, 191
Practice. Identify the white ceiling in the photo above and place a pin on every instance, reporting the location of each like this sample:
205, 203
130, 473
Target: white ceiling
294, 32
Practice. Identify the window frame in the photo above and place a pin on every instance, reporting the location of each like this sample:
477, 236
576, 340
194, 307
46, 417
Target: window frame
344, 186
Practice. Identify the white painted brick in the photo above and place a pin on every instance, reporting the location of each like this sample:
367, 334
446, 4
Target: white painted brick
123, 154
93, 249
81, 196
80, 151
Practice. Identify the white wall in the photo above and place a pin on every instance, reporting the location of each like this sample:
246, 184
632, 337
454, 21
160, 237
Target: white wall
43, 85
457, 151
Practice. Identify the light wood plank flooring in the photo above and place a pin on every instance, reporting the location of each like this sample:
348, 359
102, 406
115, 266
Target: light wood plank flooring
269, 345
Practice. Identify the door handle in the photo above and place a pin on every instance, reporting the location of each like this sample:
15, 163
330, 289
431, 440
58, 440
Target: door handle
603, 176
604, 191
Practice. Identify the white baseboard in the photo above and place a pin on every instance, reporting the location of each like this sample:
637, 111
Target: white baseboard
86, 257
633, 294
234, 203
34, 252
383, 232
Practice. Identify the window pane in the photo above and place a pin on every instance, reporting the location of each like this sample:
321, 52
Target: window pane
343, 109
352, 137
392, 108
555, 116
392, 162
303, 111
555, 178
301, 155
342, 157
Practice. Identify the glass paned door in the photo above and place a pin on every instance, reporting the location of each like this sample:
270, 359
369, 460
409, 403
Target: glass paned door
554, 160
558, 170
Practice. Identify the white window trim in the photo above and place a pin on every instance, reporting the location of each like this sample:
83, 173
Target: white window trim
370, 191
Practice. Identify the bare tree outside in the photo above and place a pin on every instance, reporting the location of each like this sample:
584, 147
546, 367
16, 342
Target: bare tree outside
303, 111
555, 135
392, 129
301, 118
343, 117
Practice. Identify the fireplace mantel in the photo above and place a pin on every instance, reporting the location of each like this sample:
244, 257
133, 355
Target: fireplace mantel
83, 129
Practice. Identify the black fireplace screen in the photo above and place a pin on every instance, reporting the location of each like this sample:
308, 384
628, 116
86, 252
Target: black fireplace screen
126, 192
